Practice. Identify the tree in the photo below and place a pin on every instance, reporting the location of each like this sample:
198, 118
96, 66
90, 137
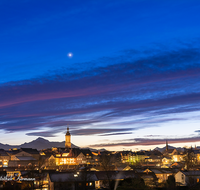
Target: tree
193, 185
189, 159
108, 162
85, 177
135, 183
171, 182
41, 162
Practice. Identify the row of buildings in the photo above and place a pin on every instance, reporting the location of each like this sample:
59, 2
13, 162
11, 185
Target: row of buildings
74, 168
75, 156
93, 179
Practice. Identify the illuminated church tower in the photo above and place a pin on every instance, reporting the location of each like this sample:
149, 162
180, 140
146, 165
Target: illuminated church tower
67, 139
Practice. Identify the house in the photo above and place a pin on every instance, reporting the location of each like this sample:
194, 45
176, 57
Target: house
177, 165
72, 181
197, 154
38, 178
183, 178
123, 167
161, 173
177, 156
65, 158
153, 160
166, 162
128, 157
72, 156
24, 157
149, 178
33, 152
81, 159
140, 156
4, 158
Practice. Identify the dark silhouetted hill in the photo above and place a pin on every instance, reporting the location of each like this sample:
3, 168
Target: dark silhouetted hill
39, 144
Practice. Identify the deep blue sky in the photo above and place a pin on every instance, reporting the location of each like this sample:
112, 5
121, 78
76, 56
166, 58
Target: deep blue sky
133, 78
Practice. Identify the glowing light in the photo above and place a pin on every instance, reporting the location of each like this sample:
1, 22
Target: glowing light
69, 55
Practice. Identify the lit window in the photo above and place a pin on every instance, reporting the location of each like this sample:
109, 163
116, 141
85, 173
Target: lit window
65, 154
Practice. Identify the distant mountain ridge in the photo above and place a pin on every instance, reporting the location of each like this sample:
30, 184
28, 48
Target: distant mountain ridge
39, 144
169, 147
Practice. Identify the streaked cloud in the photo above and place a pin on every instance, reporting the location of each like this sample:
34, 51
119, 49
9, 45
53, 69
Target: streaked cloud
148, 142
129, 94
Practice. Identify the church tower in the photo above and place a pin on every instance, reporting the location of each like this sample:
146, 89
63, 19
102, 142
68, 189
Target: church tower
67, 139
167, 145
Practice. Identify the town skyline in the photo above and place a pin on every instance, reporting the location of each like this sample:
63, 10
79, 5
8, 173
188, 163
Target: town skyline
42, 143
121, 75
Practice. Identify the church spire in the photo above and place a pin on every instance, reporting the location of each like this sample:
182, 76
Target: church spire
166, 145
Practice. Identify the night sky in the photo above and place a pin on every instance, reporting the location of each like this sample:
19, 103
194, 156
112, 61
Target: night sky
121, 74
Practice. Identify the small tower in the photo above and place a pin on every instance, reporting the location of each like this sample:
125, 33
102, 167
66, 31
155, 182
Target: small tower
166, 145
67, 139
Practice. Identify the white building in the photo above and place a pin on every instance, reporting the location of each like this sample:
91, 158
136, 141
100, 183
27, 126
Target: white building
183, 178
